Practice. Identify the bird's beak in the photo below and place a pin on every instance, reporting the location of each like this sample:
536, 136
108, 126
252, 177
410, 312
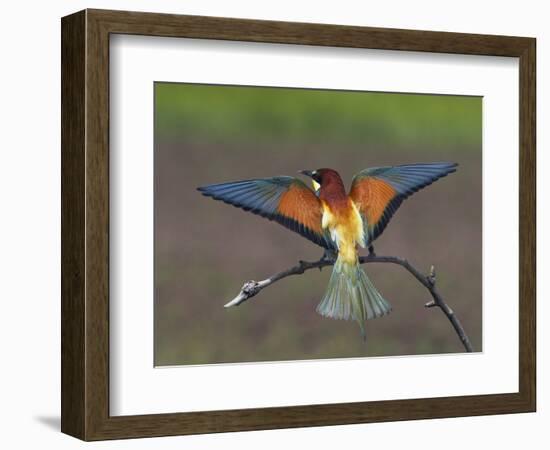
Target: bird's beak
308, 173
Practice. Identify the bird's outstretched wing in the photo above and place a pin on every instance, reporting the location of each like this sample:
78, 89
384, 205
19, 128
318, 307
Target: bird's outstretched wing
379, 191
286, 200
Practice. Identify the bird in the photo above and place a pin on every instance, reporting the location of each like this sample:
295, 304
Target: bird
339, 222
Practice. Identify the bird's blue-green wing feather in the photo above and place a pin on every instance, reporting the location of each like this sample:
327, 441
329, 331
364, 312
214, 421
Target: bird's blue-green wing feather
286, 200
379, 191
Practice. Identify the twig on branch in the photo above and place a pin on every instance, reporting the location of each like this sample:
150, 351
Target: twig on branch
252, 288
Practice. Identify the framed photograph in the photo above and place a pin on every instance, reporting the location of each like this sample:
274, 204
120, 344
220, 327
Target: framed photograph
394, 277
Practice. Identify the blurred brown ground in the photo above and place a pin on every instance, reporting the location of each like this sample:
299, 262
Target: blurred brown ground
205, 250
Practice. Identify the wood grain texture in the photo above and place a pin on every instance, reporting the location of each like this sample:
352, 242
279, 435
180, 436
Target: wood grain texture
527, 224
97, 225
72, 224
152, 24
85, 224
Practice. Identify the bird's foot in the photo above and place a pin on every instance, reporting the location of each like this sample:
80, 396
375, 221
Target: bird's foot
328, 256
371, 251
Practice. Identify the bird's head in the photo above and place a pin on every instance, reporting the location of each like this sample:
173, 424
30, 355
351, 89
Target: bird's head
321, 176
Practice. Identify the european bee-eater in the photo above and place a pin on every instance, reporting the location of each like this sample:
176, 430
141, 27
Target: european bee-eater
337, 221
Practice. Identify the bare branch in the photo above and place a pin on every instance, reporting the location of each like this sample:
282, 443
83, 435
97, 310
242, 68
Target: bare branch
252, 288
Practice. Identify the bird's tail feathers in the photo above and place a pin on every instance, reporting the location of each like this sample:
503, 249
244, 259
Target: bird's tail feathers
351, 295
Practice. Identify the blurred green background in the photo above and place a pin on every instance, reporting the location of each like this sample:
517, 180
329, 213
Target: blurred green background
205, 250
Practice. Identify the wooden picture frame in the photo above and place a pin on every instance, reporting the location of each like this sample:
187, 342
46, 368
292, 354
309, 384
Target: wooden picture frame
85, 224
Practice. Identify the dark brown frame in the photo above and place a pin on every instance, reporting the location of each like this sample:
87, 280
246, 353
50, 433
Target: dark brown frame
85, 224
